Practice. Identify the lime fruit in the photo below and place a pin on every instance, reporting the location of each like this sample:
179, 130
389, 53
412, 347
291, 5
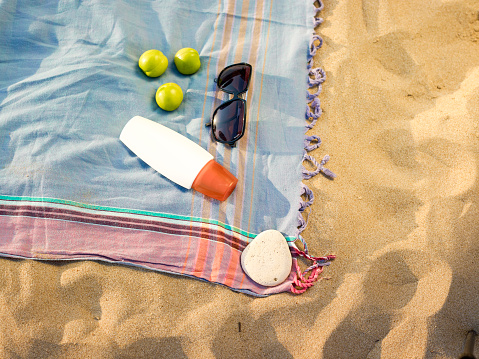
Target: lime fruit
187, 61
169, 96
153, 63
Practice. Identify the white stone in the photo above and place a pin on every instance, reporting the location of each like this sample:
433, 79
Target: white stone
267, 259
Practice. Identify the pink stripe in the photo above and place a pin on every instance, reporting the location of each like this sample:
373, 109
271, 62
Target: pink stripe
258, 113
202, 114
220, 247
232, 270
53, 239
209, 260
56, 239
225, 260
200, 260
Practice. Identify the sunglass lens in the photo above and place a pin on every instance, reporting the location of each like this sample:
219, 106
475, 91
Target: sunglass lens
228, 121
235, 79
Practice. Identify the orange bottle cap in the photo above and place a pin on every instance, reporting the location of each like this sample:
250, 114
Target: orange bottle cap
215, 181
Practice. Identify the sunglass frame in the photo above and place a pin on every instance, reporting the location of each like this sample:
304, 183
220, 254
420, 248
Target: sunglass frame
236, 97
231, 143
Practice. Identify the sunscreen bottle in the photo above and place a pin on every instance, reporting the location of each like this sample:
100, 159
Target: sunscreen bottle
177, 158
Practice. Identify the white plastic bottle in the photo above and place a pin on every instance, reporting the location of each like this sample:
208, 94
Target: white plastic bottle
177, 158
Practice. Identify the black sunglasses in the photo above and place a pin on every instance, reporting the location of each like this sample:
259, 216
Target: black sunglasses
229, 119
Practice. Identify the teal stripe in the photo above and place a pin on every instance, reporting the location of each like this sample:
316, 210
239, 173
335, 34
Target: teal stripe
132, 211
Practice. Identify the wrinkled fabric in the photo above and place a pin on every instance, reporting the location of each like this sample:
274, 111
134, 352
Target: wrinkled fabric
70, 81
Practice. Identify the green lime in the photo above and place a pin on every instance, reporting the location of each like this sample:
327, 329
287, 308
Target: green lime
169, 96
153, 63
187, 61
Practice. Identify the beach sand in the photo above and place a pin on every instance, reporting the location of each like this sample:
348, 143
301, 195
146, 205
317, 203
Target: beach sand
401, 124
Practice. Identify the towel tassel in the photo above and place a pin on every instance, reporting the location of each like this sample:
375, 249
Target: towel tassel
304, 280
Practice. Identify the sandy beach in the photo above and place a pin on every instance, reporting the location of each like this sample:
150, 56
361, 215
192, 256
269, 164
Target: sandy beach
401, 124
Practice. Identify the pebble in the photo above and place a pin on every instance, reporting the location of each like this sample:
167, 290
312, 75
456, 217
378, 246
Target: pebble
267, 259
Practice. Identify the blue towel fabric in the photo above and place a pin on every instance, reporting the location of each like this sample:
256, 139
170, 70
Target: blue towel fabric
69, 82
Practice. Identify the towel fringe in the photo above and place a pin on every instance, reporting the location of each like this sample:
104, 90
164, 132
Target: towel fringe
319, 167
301, 283
306, 279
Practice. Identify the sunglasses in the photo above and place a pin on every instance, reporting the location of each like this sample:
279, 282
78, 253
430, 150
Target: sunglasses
229, 119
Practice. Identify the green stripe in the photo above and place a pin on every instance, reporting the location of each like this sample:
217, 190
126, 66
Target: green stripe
133, 211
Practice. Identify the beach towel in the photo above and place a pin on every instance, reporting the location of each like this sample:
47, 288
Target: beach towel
70, 81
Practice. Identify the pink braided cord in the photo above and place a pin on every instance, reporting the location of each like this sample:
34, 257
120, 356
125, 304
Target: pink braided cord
300, 253
301, 282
